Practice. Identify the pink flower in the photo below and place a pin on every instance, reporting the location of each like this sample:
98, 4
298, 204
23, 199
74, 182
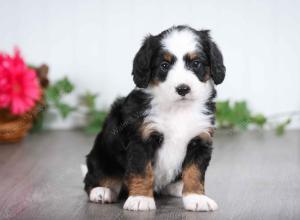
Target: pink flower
19, 85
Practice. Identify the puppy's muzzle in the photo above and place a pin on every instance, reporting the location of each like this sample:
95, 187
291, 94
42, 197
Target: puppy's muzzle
183, 89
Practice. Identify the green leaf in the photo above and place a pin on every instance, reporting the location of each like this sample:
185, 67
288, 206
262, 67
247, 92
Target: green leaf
280, 128
52, 94
92, 129
259, 120
89, 100
223, 114
95, 120
64, 85
64, 109
241, 115
39, 122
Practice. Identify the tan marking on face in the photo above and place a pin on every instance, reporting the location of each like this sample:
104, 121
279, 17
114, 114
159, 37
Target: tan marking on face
154, 82
141, 184
192, 56
207, 74
191, 177
168, 57
206, 77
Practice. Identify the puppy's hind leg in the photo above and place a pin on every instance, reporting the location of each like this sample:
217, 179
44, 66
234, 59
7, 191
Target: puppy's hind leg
100, 187
107, 190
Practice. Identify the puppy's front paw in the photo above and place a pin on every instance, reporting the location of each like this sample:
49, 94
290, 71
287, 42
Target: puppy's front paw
141, 203
196, 202
102, 195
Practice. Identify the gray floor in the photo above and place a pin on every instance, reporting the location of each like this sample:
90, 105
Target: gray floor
252, 176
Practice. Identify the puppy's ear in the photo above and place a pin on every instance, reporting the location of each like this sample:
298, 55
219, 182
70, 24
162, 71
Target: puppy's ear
217, 68
142, 62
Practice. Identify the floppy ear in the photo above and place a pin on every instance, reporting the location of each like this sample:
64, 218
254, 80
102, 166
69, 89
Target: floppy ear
217, 68
142, 63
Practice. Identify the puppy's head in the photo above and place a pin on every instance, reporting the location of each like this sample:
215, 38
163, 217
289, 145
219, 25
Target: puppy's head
179, 62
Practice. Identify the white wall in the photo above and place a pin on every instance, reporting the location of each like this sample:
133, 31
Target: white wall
93, 42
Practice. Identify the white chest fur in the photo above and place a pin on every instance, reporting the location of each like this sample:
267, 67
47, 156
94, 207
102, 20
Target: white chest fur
179, 124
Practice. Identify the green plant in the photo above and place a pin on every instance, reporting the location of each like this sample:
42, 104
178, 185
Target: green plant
55, 94
237, 115
94, 117
280, 128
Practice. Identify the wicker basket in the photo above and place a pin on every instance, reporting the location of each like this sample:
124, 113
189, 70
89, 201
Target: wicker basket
14, 128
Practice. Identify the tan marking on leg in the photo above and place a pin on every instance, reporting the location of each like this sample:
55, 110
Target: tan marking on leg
206, 77
139, 185
113, 183
191, 178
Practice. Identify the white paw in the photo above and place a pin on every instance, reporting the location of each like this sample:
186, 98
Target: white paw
142, 203
196, 202
102, 195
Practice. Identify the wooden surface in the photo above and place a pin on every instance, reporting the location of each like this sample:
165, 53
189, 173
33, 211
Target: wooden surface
252, 176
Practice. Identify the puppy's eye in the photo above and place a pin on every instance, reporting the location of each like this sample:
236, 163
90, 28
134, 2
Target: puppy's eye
164, 66
196, 64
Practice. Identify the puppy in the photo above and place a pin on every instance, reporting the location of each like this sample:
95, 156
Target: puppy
159, 137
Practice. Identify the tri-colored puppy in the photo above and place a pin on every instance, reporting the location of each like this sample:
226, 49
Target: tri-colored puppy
159, 137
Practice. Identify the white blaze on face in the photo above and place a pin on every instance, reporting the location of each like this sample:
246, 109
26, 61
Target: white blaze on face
179, 43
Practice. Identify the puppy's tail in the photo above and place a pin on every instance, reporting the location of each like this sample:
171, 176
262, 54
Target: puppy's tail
83, 169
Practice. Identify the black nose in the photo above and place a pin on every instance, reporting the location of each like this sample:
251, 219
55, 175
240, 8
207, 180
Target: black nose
183, 89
